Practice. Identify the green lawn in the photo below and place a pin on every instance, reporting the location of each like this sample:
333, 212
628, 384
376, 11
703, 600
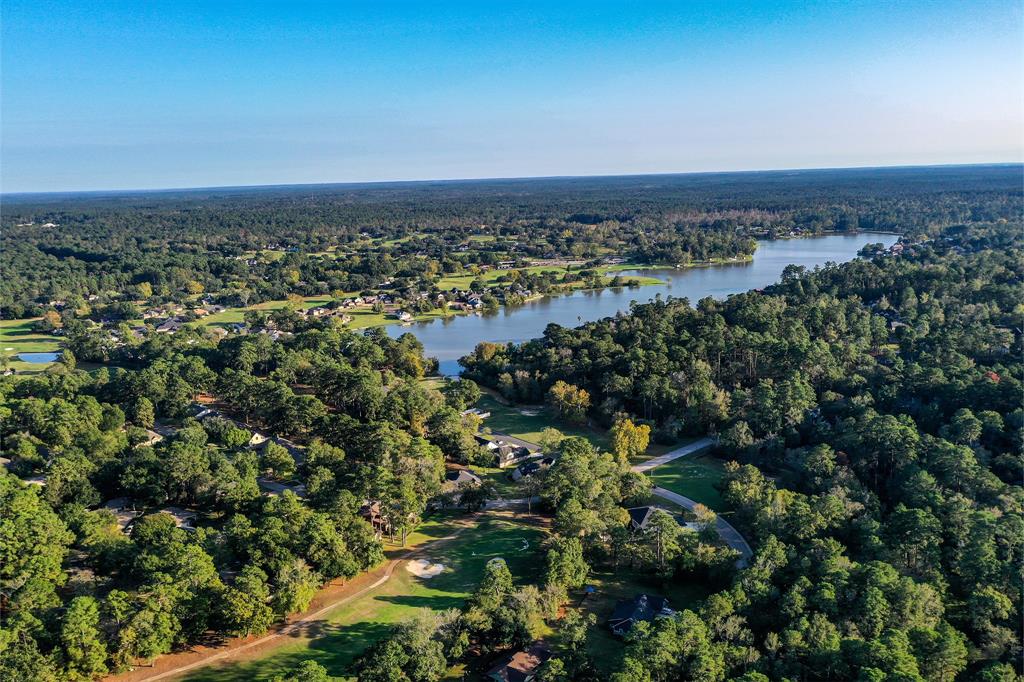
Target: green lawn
694, 476
499, 478
604, 647
354, 626
17, 336
527, 422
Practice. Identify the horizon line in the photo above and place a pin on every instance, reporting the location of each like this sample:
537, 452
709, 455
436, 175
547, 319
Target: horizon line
423, 181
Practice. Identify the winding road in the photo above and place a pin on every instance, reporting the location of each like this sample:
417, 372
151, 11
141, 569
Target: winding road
726, 531
729, 535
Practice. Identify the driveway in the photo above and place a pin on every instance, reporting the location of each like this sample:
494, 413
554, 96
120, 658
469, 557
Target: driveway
730, 535
688, 449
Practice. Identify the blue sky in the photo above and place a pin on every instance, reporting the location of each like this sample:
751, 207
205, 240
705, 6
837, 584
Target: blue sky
118, 95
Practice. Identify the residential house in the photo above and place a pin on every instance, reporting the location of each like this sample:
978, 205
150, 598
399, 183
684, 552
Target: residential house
275, 488
152, 438
507, 455
640, 517
459, 478
641, 608
124, 513
522, 666
183, 518
170, 325
373, 513
532, 466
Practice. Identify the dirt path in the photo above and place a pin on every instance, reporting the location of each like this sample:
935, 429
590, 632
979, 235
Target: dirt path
328, 599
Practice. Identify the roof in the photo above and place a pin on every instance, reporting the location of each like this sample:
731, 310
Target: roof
639, 517
457, 477
522, 665
642, 607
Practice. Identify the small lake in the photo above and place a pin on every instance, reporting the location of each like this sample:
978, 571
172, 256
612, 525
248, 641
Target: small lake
449, 339
38, 358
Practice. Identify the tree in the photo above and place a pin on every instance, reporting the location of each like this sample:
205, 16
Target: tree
277, 459
307, 671
82, 641
565, 563
629, 440
33, 543
569, 402
143, 413
246, 608
296, 586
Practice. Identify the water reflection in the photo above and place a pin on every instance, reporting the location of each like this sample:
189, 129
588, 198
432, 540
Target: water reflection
448, 339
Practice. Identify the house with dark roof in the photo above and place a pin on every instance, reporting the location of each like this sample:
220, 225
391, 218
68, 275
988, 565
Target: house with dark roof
459, 478
522, 666
532, 466
640, 517
507, 455
641, 608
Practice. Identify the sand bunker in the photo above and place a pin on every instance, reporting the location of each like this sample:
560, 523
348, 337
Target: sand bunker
422, 568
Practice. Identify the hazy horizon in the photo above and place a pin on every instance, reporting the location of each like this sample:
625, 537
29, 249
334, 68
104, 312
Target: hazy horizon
496, 179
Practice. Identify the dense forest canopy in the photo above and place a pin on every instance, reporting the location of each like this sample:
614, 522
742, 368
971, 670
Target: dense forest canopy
351, 237
190, 485
873, 415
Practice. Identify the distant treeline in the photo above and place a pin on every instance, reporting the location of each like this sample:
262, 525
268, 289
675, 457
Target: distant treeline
58, 247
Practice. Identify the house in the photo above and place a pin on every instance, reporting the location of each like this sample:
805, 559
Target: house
372, 512
522, 666
532, 466
459, 478
477, 412
403, 316
642, 607
257, 439
275, 488
507, 455
169, 326
639, 517
152, 438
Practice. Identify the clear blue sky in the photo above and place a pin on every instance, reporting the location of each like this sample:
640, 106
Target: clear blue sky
102, 95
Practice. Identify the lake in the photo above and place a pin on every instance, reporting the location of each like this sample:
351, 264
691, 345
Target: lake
449, 339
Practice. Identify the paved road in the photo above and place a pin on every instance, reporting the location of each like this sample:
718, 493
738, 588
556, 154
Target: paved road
688, 449
730, 535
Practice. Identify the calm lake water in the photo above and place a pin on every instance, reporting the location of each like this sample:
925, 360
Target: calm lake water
448, 340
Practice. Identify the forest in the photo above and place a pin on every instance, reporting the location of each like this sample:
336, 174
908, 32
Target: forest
187, 488
113, 253
871, 414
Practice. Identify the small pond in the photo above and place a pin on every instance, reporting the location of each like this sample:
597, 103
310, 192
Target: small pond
38, 358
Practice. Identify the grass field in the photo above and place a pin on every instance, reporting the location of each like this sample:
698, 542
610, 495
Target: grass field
491, 277
18, 336
604, 647
356, 625
527, 422
694, 477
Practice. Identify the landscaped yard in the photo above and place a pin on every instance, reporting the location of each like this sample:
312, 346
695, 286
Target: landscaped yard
528, 421
354, 626
604, 647
17, 336
693, 476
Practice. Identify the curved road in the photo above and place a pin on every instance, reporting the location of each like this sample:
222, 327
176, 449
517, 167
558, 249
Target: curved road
726, 531
730, 535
